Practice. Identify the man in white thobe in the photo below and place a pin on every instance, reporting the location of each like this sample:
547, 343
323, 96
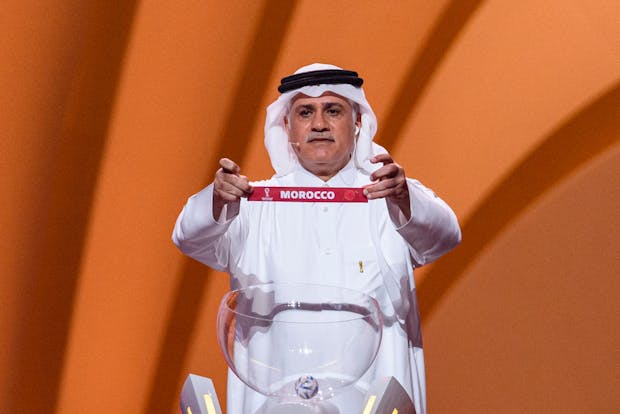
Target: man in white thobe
319, 133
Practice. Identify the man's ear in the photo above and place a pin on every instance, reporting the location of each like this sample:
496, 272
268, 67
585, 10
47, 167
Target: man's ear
285, 118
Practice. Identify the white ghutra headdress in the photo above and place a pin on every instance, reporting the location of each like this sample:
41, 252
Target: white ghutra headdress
314, 80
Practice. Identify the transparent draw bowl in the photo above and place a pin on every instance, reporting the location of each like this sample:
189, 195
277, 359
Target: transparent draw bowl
298, 342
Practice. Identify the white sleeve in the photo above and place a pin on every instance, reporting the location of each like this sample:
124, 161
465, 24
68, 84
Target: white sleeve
199, 235
433, 228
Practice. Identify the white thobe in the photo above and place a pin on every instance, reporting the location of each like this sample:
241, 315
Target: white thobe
324, 243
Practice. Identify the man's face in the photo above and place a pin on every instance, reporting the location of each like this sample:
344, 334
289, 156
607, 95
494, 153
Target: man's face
322, 132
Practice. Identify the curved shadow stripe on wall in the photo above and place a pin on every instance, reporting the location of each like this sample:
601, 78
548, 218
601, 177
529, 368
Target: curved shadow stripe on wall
579, 139
232, 143
66, 190
441, 38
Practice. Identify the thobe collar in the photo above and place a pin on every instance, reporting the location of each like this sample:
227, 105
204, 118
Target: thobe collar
344, 178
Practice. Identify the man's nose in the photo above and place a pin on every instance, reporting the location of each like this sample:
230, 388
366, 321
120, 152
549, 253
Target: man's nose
319, 123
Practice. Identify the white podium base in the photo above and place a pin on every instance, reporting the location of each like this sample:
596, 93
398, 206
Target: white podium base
292, 408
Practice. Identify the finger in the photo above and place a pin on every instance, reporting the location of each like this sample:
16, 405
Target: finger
229, 166
224, 181
229, 192
383, 158
389, 187
392, 193
244, 184
380, 185
388, 170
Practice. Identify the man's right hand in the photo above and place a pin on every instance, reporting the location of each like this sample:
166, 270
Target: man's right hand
229, 186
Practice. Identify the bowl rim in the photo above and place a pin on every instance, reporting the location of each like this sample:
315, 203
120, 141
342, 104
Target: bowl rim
375, 310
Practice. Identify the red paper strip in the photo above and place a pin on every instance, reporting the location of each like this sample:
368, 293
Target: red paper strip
309, 194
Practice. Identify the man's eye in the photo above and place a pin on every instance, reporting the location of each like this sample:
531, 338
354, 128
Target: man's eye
333, 111
305, 113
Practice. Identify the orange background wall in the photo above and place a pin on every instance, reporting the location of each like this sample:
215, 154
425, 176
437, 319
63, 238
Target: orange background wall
114, 113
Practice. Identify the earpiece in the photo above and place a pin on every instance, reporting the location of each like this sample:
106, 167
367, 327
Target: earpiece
357, 130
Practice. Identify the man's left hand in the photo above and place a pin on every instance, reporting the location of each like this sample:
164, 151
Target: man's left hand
390, 183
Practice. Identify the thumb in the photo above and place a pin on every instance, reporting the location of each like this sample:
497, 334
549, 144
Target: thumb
229, 166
